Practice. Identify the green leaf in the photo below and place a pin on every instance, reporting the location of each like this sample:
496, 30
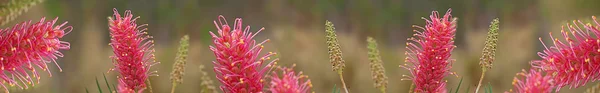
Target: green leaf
107, 85
86, 90
469, 87
335, 89
459, 83
98, 84
115, 88
490, 87
450, 90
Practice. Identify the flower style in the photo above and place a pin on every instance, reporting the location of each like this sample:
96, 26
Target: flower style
430, 62
289, 82
134, 52
27, 45
533, 82
238, 65
575, 61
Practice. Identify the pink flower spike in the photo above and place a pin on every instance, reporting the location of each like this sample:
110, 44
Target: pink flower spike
238, 65
289, 82
429, 53
133, 52
533, 82
27, 45
574, 61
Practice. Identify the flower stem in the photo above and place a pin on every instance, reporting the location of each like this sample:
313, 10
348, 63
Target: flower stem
173, 88
343, 83
480, 80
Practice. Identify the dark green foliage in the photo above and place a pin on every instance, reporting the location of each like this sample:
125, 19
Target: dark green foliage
458, 88
110, 90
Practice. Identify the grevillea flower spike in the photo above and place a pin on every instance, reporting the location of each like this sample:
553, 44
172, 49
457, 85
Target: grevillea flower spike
134, 52
533, 82
429, 53
27, 45
575, 61
238, 65
289, 81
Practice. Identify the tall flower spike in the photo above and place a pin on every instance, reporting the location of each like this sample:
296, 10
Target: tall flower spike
489, 51
335, 52
575, 61
14, 8
180, 61
377, 70
533, 82
429, 53
289, 81
133, 52
238, 65
28, 45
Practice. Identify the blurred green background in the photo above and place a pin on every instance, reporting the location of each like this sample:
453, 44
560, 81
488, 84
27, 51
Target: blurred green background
296, 29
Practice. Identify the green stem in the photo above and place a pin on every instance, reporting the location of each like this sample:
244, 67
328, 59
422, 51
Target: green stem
173, 88
480, 80
343, 83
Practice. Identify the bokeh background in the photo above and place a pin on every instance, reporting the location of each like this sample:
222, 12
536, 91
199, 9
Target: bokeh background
296, 29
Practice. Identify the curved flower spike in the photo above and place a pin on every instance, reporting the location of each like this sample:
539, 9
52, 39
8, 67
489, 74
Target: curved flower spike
27, 45
238, 64
133, 52
429, 53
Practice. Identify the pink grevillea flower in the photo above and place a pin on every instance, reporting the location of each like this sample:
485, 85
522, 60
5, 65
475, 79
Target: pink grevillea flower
134, 52
533, 82
575, 61
27, 45
429, 53
238, 65
289, 82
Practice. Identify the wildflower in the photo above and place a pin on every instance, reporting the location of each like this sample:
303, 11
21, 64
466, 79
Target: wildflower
27, 45
429, 53
238, 65
133, 52
377, 70
180, 60
13, 8
489, 51
289, 81
575, 61
533, 82
335, 52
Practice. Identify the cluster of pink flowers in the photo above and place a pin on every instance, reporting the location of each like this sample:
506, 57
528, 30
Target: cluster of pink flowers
429, 53
533, 82
133, 52
27, 45
289, 82
575, 61
238, 65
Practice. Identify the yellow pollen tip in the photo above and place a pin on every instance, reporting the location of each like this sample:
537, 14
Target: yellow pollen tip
587, 60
